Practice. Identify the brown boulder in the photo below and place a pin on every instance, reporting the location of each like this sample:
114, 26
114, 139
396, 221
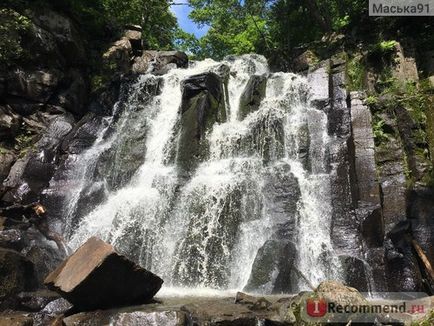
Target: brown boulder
96, 276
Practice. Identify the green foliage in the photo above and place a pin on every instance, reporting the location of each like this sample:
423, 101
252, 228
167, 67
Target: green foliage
428, 320
101, 19
380, 134
12, 27
355, 73
387, 46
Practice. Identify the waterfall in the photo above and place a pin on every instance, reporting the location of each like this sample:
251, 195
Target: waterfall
263, 182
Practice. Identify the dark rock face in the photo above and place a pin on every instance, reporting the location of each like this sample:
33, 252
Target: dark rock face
31, 174
202, 106
402, 267
355, 274
12, 239
95, 276
364, 150
421, 212
273, 257
372, 224
252, 95
16, 273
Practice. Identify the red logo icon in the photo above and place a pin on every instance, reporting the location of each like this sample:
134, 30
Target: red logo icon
316, 307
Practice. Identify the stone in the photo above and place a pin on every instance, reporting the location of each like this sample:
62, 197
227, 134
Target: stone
35, 301
389, 158
405, 68
66, 34
364, 150
12, 239
354, 273
221, 312
16, 320
121, 318
318, 80
119, 54
96, 276
7, 159
272, 268
37, 86
16, 273
402, 267
252, 302
372, 224
83, 134
334, 291
9, 123
202, 106
253, 94
156, 61
304, 61
72, 95
32, 173
420, 213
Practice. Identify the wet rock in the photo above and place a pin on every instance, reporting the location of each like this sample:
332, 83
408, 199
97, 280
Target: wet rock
202, 106
354, 273
252, 302
364, 150
372, 224
421, 211
272, 268
16, 273
402, 268
83, 135
31, 174
12, 239
391, 168
35, 301
252, 96
319, 83
9, 123
95, 276
7, 159
121, 318
281, 188
222, 312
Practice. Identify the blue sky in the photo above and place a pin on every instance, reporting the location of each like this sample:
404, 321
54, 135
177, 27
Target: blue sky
181, 12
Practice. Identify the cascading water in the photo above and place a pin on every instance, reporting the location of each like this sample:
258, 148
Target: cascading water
264, 179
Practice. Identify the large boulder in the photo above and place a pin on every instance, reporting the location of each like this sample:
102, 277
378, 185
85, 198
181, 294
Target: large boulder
272, 268
16, 273
159, 62
96, 276
252, 95
340, 294
202, 106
